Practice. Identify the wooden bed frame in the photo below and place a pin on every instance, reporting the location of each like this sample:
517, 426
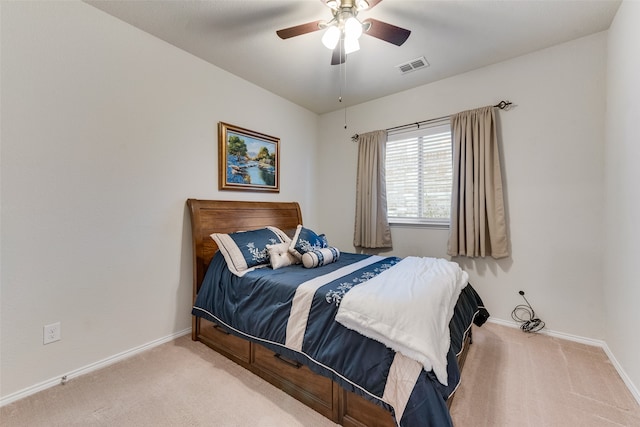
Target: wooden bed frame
317, 392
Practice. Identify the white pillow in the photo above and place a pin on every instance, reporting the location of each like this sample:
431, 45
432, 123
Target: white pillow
279, 255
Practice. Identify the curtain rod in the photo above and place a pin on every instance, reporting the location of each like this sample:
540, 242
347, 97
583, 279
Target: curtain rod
501, 105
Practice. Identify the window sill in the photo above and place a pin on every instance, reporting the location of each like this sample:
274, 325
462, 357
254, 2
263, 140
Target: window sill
413, 223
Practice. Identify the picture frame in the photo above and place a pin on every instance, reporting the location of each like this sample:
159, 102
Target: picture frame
247, 160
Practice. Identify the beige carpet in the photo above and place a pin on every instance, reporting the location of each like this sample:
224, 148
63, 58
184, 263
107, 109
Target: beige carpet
511, 379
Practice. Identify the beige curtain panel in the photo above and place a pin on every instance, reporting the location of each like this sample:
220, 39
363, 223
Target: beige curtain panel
478, 225
372, 224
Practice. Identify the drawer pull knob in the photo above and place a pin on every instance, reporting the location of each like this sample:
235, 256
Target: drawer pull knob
296, 365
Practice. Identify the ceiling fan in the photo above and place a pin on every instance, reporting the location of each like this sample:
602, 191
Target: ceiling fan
344, 29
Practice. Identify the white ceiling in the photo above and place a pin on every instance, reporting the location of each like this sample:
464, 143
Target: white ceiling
239, 36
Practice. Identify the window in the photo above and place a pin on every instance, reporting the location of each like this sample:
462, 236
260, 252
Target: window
419, 175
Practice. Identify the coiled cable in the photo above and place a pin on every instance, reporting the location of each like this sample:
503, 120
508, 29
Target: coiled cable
525, 315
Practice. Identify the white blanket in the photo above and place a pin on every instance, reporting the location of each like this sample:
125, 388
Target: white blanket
408, 308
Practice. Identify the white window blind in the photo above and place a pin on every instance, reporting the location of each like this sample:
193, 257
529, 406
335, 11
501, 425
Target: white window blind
419, 174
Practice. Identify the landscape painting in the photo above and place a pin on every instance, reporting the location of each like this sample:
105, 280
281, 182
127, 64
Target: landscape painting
248, 160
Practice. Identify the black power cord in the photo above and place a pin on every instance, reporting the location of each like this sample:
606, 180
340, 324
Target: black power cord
525, 315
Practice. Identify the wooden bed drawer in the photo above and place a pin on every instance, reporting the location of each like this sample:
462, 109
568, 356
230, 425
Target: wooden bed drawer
359, 412
236, 348
299, 381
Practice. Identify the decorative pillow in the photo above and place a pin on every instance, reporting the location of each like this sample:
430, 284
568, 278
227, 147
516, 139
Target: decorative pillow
306, 240
245, 251
320, 257
279, 255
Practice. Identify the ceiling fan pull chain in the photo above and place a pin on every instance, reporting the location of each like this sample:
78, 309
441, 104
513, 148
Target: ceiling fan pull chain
340, 72
344, 87
345, 116
344, 64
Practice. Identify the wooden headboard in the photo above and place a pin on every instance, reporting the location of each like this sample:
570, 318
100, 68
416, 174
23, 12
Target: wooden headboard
222, 216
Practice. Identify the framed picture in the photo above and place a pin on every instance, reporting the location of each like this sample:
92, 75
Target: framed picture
248, 160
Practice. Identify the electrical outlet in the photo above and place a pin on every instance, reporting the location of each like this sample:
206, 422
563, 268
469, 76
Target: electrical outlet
51, 333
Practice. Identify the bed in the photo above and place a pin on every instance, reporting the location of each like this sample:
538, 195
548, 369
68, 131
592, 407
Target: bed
349, 378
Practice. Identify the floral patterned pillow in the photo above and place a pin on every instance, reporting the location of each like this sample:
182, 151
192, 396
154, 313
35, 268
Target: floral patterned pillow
245, 251
306, 240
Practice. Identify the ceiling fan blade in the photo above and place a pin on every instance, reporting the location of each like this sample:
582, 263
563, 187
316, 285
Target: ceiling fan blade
298, 30
387, 32
338, 56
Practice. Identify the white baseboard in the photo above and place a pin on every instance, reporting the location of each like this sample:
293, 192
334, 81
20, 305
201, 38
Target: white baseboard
632, 388
588, 341
128, 353
5, 400
569, 337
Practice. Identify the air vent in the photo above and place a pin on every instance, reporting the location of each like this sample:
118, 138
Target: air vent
414, 64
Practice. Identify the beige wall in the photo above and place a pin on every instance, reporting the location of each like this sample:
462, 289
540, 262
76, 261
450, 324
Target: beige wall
552, 145
106, 131
621, 287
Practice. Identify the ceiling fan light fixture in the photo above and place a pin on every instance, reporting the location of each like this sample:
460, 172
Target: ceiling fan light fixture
351, 45
331, 37
333, 4
342, 32
352, 28
362, 4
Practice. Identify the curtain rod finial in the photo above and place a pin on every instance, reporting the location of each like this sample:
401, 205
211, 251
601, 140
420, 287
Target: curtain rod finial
503, 104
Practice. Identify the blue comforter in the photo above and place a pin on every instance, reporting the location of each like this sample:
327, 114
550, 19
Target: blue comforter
258, 306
